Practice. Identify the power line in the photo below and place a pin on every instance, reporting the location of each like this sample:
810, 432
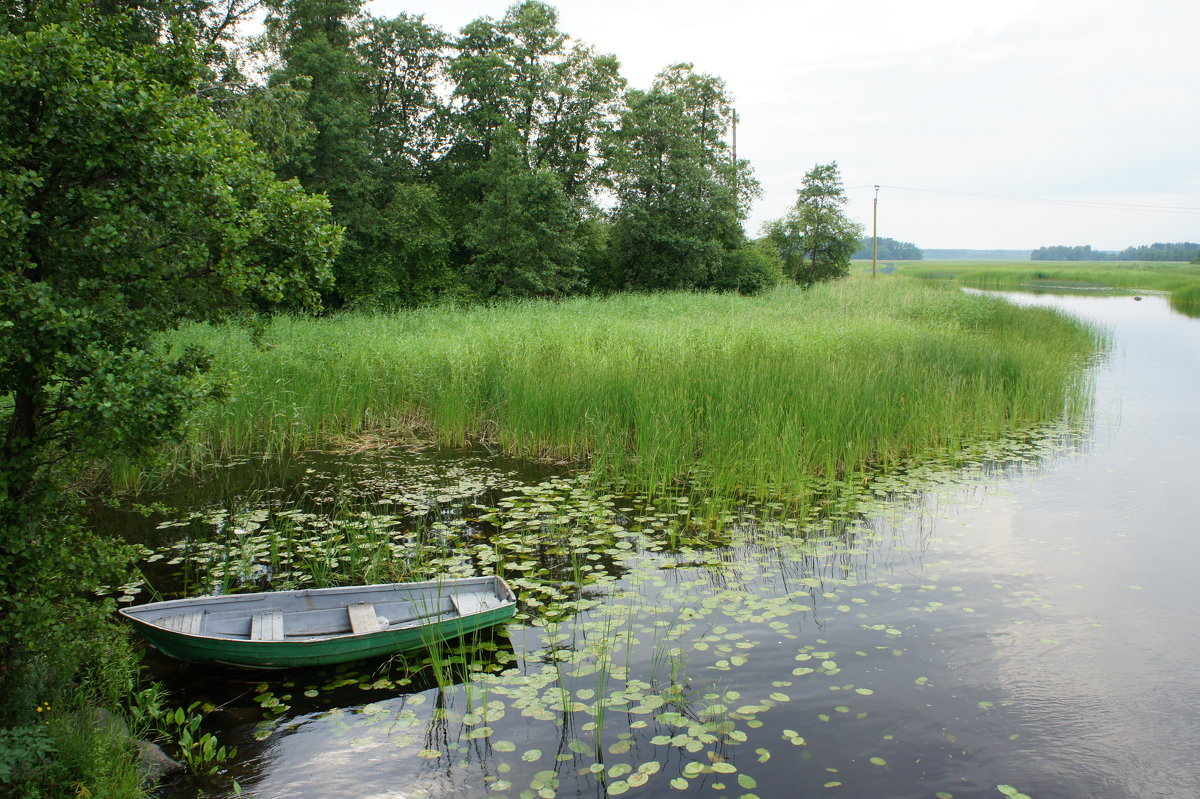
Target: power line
1170, 209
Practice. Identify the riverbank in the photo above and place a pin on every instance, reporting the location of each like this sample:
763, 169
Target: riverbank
747, 394
1181, 281
957, 629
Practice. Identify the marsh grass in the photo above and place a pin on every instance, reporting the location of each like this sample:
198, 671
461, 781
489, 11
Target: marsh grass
737, 394
1181, 281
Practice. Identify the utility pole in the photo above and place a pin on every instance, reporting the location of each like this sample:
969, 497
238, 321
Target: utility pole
735, 161
875, 232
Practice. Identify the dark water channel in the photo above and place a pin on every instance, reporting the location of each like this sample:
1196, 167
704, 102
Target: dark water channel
1023, 622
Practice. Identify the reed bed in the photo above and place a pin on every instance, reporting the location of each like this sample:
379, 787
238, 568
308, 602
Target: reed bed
1181, 281
740, 394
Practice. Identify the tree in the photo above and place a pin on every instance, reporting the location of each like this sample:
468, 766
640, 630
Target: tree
680, 197
816, 238
524, 240
127, 207
405, 62
530, 106
889, 249
559, 96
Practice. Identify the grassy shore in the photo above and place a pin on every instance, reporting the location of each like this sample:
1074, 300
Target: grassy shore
751, 394
1181, 281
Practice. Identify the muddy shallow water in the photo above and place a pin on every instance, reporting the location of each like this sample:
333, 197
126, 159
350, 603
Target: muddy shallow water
1019, 622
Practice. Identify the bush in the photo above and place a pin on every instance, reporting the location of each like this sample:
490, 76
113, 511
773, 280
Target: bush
750, 270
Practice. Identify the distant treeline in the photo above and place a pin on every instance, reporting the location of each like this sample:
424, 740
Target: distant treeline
891, 249
1159, 251
976, 255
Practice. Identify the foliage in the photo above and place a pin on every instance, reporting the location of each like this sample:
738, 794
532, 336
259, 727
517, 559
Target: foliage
274, 117
816, 239
680, 197
889, 249
1182, 281
523, 241
1063, 253
557, 95
411, 134
21, 748
752, 391
128, 207
751, 269
404, 62
1159, 251
201, 752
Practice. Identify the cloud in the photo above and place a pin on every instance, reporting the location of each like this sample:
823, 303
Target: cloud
1059, 99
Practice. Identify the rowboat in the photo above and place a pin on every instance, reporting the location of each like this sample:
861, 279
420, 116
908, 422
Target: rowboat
319, 626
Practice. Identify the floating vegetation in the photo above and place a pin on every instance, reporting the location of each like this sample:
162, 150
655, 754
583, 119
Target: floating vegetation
656, 648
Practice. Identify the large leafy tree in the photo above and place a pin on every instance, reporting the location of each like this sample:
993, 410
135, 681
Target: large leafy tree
315, 39
369, 90
530, 106
525, 237
560, 96
405, 63
680, 196
126, 207
816, 239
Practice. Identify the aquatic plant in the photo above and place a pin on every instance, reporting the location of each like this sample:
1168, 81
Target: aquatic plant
732, 395
1181, 281
648, 654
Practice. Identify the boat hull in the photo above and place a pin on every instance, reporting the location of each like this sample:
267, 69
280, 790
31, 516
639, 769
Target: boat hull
322, 651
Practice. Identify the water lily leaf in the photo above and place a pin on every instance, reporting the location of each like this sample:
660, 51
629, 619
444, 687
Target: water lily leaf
531, 755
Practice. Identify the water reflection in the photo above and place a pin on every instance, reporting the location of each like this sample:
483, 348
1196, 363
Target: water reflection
1022, 618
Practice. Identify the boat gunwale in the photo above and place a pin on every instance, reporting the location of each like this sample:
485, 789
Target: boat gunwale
131, 614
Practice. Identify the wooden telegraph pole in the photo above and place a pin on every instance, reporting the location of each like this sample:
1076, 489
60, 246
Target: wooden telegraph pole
735, 163
875, 232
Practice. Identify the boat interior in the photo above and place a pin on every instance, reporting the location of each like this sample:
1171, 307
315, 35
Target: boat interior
304, 615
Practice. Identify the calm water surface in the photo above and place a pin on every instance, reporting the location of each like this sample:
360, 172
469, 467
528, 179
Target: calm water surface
1030, 624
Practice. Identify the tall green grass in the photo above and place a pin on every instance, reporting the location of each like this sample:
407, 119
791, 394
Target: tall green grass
1181, 280
751, 394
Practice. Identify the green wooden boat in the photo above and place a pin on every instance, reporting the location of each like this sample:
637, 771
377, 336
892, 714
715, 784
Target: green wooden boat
319, 626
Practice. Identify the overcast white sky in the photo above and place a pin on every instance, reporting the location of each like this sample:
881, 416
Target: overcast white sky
1094, 104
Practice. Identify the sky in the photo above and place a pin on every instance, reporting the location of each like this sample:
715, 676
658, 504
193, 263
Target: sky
1007, 125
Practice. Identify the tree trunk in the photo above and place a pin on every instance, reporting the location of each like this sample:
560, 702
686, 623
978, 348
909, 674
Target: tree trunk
16, 464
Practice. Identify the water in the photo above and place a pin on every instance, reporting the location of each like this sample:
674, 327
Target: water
1025, 619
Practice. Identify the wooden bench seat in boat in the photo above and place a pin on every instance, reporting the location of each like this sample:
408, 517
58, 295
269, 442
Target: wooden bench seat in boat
466, 604
363, 618
187, 623
267, 626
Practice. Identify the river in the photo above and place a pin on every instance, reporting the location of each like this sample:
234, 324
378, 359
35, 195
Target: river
1022, 622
